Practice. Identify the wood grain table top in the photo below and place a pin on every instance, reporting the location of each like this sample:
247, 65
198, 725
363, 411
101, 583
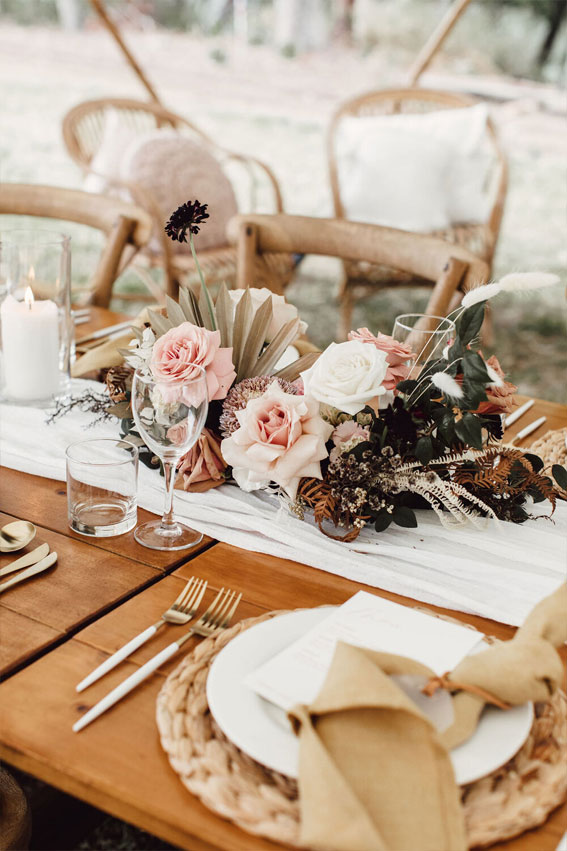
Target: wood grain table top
60, 626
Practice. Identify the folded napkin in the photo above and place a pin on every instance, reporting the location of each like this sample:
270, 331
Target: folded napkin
373, 773
107, 353
511, 672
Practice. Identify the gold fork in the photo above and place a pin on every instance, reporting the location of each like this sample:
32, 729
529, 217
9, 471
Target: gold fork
217, 617
180, 612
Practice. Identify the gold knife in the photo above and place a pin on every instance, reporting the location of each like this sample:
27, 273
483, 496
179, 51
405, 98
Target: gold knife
25, 561
31, 571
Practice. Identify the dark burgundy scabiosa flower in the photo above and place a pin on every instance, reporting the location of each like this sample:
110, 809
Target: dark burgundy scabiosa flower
187, 217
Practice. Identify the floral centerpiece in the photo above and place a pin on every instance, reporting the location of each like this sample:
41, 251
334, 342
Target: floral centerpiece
355, 435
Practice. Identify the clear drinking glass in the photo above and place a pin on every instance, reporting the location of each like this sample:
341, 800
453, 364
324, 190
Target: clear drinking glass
102, 477
169, 429
35, 316
427, 336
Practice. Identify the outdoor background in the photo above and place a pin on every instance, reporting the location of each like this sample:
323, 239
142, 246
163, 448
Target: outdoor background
264, 77
268, 82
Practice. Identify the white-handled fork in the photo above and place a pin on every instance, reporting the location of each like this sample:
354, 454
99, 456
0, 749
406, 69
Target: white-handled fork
180, 612
217, 617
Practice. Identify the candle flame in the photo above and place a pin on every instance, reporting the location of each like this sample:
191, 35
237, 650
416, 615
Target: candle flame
28, 297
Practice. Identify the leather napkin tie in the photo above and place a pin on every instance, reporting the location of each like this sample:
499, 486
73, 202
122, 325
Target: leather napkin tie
511, 672
373, 773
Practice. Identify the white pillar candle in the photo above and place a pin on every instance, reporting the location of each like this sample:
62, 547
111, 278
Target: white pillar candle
30, 347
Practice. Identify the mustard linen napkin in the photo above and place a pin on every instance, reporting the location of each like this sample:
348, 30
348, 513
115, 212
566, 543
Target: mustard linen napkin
107, 354
526, 668
373, 773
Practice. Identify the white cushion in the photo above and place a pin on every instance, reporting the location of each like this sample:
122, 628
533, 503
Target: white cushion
106, 163
417, 172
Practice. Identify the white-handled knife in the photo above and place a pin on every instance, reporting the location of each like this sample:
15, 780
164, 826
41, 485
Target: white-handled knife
42, 565
26, 560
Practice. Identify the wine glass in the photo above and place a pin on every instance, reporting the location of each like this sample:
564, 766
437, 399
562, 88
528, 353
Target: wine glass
427, 336
170, 429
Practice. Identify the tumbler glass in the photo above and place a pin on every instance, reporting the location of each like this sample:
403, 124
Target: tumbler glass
102, 476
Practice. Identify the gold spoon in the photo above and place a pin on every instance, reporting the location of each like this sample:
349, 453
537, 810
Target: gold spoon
16, 535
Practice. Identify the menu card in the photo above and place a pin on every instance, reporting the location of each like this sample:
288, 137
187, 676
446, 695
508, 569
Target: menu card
296, 674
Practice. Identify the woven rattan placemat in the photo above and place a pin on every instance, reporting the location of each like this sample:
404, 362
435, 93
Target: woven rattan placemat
516, 797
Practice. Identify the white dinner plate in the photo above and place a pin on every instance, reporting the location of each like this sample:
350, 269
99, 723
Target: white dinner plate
262, 731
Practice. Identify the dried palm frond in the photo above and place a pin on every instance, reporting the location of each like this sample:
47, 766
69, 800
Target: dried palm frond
243, 329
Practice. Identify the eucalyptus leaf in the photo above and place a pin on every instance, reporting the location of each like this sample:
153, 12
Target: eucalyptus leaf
424, 450
474, 368
470, 322
535, 461
469, 430
404, 516
382, 521
559, 473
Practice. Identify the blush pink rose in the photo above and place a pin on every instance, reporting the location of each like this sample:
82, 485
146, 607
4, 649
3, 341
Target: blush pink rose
281, 439
346, 436
203, 462
397, 354
175, 356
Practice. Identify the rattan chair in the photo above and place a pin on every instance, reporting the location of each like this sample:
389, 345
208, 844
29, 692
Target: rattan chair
361, 280
434, 260
83, 128
127, 228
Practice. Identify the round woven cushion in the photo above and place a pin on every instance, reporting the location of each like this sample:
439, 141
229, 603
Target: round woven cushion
516, 797
175, 169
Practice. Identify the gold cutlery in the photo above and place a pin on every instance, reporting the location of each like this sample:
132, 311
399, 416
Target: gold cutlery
42, 565
217, 617
27, 560
16, 535
515, 415
181, 611
102, 333
529, 429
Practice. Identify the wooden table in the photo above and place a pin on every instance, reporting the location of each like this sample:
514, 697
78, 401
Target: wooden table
119, 588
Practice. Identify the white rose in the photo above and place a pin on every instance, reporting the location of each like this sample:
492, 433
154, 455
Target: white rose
282, 312
347, 376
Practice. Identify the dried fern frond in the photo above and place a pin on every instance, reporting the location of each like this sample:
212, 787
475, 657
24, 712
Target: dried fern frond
316, 495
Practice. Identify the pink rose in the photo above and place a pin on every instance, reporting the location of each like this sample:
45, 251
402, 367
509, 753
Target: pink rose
281, 439
397, 354
346, 436
203, 462
178, 433
175, 355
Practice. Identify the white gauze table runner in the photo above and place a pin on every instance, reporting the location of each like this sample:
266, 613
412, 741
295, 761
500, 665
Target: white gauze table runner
498, 572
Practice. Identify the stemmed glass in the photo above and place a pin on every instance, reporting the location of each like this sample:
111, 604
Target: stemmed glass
170, 429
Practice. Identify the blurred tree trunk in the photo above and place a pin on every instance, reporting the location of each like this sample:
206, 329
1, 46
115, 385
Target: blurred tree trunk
555, 20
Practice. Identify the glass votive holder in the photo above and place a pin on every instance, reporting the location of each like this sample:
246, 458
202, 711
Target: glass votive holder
36, 326
102, 478
426, 335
